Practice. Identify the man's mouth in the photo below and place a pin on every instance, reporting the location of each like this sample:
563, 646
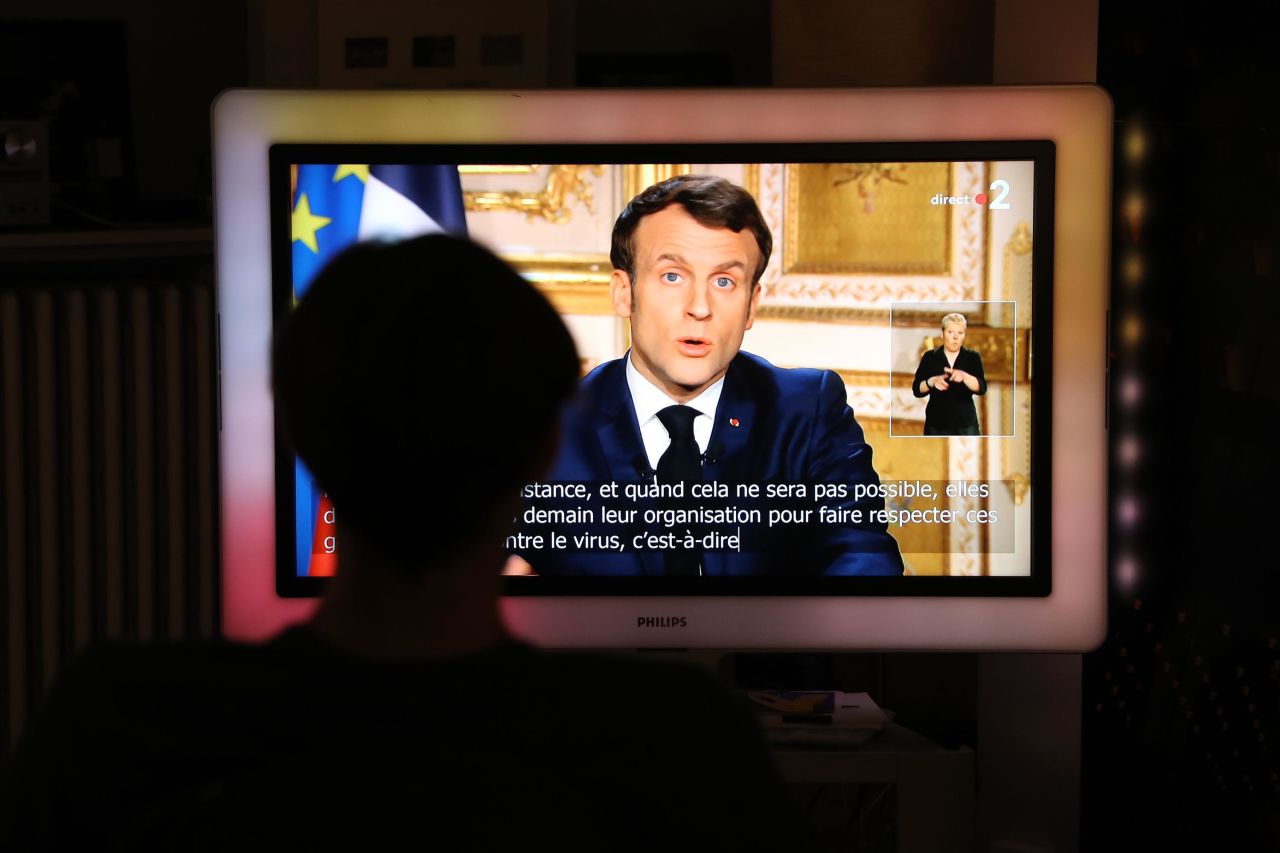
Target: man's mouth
694, 347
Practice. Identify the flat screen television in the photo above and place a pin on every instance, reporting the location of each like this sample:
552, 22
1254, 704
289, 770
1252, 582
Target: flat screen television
923, 516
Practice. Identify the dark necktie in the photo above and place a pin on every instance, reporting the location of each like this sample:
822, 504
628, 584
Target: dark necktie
681, 463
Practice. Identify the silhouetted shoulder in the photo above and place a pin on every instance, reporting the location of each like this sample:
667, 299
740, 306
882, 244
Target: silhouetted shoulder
212, 745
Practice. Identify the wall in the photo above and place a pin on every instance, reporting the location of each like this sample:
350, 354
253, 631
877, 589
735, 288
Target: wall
180, 55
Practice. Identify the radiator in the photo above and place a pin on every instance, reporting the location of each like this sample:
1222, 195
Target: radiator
108, 430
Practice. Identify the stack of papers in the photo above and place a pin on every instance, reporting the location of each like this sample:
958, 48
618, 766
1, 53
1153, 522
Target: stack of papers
818, 717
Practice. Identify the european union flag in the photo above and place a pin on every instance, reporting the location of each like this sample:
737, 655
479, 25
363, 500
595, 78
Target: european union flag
334, 206
337, 205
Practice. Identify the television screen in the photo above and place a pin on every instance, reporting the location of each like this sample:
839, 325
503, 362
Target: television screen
872, 431
853, 397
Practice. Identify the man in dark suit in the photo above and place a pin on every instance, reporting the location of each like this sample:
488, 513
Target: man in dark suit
685, 408
950, 376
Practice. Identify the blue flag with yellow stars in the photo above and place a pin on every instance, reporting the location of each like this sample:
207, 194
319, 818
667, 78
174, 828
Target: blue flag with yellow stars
334, 206
337, 205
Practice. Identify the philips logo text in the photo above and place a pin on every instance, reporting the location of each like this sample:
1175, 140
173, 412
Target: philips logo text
662, 622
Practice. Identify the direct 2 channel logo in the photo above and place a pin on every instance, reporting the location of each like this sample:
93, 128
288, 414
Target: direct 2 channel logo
999, 190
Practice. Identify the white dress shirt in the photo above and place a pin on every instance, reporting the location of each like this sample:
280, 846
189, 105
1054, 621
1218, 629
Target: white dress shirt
649, 399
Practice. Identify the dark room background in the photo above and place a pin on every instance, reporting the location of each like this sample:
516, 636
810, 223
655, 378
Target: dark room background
1179, 708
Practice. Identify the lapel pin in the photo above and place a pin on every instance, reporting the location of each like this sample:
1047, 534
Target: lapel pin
735, 422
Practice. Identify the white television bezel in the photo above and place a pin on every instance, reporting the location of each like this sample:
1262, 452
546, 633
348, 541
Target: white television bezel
1077, 119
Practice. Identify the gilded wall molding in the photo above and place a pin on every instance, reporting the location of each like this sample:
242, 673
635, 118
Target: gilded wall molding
1007, 417
984, 563
873, 378
871, 422
576, 297
835, 212
638, 177
1020, 241
1017, 282
562, 268
881, 394
512, 169
751, 180
551, 202
573, 284
925, 548
847, 316
867, 298
966, 463
769, 199
1021, 485
1003, 351
1015, 453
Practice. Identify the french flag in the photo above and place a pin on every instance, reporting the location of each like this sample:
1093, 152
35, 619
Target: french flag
334, 206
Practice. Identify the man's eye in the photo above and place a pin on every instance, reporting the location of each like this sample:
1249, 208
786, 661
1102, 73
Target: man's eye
724, 281
671, 276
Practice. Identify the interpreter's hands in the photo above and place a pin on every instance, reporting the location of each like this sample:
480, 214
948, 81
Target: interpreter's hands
939, 382
968, 379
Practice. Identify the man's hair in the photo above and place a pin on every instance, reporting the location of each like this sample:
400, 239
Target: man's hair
711, 200
954, 319
419, 382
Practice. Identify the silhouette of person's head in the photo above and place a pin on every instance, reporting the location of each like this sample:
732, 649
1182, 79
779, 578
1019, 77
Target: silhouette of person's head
420, 383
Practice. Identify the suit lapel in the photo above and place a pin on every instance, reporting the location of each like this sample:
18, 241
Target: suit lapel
622, 447
727, 460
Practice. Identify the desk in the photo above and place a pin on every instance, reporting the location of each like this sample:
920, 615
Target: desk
934, 786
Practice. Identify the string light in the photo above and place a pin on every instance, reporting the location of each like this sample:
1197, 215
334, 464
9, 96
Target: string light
1128, 510
1126, 573
1130, 390
1135, 144
1133, 268
1128, 451
1131, 330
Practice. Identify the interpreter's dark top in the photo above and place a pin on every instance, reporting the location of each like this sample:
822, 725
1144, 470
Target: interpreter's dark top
218, 746
950, 412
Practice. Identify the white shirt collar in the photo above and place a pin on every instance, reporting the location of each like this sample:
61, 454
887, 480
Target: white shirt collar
649, 399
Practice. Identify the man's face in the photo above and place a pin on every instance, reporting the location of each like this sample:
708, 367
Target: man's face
691, 301
953, 337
